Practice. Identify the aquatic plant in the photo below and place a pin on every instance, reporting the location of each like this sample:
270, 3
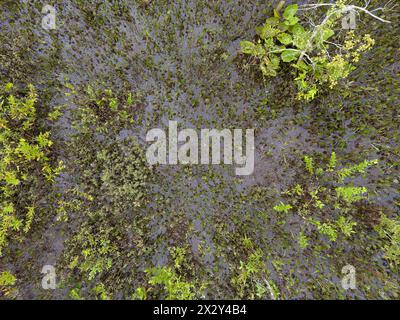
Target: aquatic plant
174, 286
26, 162
172, 278
106, 196
7, 283
389, 232
250, 279
326, 199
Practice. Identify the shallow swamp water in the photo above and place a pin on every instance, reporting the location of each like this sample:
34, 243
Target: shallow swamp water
181, 60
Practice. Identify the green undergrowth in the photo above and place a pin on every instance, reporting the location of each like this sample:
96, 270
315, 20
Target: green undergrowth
176, 281
110, 245
27, 164
326, 199
28, 168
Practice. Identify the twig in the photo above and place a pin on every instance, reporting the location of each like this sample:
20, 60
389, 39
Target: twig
348, 8
368, 12
341, 10
270, 289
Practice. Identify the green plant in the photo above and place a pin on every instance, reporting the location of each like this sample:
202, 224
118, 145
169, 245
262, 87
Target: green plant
172, 282
25, 161
98, 250
314, 58
7, 282
389, 232
178, 256
283, 207
174, 286
140, 294
7, 279
249, 272
303, 241
107, 196
74, 294
250, 277
326, 199
103, 110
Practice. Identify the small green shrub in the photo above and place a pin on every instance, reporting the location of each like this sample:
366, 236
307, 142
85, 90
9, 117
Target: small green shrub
7, 279
175, 281
97, 249
316, 55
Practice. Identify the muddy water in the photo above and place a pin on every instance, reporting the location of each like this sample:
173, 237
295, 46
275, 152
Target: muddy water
182, 57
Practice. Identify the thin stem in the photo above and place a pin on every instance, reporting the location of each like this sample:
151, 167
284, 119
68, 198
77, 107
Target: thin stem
341, 10
369, 12
348, 8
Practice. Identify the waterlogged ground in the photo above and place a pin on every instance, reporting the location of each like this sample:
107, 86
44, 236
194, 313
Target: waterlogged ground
181, 61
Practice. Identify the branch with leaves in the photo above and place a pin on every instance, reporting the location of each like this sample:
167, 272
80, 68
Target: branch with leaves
316, 59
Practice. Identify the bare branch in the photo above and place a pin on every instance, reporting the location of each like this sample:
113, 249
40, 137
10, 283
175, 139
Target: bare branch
368, 12
340, 10
349, 8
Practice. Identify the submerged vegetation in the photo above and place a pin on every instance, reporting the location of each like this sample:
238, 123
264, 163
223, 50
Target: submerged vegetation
77, 192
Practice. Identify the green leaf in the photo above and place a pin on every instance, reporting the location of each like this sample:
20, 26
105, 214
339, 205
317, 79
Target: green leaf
275, 61
291, 21
273, 21
247, 47
9, 208
300, 37
253, 49
283, 207
298, 30
7, 279
268, 70
267, 31
290, 11
289, 55
11, 178
259, 51
328, 33
303, 241
129, 100
269, 43
113, 104
8, 87
285, 38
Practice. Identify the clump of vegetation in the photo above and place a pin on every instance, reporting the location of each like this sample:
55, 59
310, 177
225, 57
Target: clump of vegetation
97, 247
15, 60
110, 169
171, 282
326, 199
92, 255
251, 279
317, 55
389, 231
7, 282
106, 196
26, 162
